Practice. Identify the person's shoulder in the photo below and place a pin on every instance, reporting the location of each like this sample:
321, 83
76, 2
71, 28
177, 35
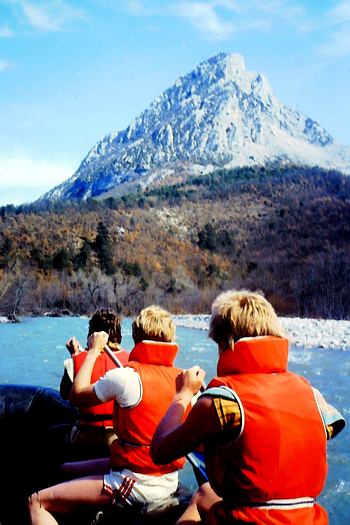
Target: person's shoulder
221, 391
124, 373
123, 356
202, 404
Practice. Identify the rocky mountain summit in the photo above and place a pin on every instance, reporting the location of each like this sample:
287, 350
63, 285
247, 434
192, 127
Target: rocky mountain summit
217, 116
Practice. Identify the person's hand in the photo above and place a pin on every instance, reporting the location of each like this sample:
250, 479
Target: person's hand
97, 341
191, 380
73, 346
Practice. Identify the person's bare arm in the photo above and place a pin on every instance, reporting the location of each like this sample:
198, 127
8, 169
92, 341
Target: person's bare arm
173, 438
73, 346
83, 393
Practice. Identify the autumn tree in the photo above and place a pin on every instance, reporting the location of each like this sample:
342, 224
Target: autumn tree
103, 249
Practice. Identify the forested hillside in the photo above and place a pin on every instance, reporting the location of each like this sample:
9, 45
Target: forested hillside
285, 231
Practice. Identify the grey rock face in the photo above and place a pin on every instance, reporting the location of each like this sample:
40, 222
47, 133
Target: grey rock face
217, 116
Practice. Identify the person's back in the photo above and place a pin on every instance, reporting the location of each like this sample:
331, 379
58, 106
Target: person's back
93, 432
263, 428
282, 426
141, 391
154, 363
151, 380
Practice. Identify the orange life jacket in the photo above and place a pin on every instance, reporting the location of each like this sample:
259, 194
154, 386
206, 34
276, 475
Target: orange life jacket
99, 415
277, 466
135, 426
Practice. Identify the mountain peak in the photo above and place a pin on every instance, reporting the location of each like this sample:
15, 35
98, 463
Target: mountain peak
230, 69
217, 116
232, 65
221, 69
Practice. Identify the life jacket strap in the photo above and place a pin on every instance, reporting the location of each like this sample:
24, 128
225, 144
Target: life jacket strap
131, 444
279, 504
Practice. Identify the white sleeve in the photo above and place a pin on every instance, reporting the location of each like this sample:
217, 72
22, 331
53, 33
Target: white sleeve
330, 414
69, 368
121, 384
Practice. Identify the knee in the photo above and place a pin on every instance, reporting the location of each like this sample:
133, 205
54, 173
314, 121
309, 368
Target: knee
203, 491
206, 498
198, 495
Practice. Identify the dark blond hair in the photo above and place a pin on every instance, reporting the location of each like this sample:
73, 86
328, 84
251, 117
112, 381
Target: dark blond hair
153, 323
241, 313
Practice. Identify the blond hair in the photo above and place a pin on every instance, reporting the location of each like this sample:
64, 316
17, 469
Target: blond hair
241, 313
153, 323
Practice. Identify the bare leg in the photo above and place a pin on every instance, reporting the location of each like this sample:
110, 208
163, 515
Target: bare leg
199, 506
65, 498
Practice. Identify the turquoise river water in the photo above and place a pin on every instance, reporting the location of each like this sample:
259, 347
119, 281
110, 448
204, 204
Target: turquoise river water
32, 353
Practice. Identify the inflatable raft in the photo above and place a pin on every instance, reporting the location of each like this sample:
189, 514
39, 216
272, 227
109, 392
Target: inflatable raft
34, 423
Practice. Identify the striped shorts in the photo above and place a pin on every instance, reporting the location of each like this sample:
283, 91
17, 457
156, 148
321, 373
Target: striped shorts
132, 488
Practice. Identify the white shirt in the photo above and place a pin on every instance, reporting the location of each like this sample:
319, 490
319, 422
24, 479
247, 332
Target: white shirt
125, 387
69, 368
122, 385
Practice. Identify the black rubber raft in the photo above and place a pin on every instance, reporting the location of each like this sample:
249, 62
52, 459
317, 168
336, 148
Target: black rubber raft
34, 423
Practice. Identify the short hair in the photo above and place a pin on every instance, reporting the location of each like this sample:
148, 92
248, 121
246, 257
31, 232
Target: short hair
153, 323
241, 313
106, 321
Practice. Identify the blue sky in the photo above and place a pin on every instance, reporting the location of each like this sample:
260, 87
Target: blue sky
74, 71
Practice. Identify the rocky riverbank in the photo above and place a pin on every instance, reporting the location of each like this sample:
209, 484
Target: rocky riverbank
319, 333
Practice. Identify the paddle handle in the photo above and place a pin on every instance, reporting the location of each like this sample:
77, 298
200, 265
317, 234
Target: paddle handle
199, 472
112, 356
120, 365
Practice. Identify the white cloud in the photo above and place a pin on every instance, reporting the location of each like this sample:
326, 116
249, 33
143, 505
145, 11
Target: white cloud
50, 15
24, 179
204, 18
341, 13
135, 7
201, 15
20, 194
279, 8
338, 45
18, 170
221, 19
338, 25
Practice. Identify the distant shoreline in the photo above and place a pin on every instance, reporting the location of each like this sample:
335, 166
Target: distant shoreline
311, 333
304, 332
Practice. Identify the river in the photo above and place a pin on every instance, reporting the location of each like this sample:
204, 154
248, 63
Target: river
32, 352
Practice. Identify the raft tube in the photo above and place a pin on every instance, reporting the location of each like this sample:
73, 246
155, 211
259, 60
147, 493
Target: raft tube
34, 424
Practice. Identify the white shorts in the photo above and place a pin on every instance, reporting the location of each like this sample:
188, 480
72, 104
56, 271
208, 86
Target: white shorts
132, 488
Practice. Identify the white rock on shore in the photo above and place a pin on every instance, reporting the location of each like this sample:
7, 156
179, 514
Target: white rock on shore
319, 333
